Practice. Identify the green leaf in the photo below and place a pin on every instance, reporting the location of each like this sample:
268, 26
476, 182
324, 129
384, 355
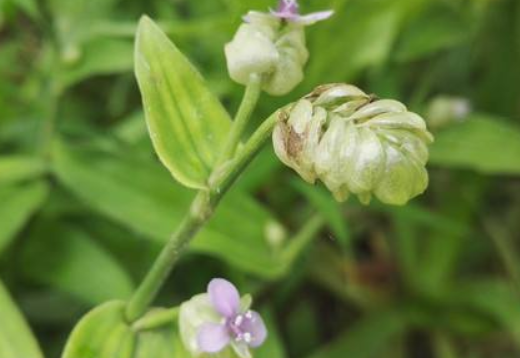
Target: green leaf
435, 31
186, 122
18, 167
483, 143
104, 333
141, 196
367, 338
68, 259
18, 204
16, 339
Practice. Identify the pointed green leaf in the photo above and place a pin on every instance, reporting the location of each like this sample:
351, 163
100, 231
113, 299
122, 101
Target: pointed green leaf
104, 333
16, 339
18, 204
186, 122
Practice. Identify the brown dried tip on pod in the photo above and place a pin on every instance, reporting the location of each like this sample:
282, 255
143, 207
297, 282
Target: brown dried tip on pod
355, 143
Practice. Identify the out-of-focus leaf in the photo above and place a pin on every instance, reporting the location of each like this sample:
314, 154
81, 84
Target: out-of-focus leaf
187, 124
141, 196
16, 339
273, 346
104, 333
74, 21
434, 31
17, 167
29, 6
482, 143
367, 338
69, 260
100, 57
361, 37
327, 206
494, 298
18, 204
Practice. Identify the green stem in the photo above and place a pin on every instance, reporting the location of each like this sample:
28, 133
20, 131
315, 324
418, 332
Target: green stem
200, 212
249, 101
156, 319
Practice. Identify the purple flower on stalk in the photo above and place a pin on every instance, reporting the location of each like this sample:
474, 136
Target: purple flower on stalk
289, 10
235, 324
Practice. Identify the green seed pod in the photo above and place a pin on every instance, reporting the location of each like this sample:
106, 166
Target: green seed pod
356, 144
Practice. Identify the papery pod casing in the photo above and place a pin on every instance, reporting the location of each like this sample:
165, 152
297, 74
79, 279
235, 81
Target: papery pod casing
355, 143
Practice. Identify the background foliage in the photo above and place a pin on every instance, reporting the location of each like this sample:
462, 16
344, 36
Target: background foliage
85, 204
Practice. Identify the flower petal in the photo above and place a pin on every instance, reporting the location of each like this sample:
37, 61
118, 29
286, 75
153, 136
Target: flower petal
212, 337
313, 18
224, 297
256, 327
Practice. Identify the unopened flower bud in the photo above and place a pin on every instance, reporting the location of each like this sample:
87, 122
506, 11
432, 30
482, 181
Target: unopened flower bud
445, 110
356, 144
272, 45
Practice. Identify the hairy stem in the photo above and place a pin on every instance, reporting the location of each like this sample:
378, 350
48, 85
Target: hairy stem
200, 212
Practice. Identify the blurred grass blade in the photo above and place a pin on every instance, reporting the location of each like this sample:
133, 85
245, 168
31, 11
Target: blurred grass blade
367, 338
19, 167
483, 143
273, 346
16, 339
18, 204
329, 208
187, 123
69, 260
29, 6
101, 57
440, 28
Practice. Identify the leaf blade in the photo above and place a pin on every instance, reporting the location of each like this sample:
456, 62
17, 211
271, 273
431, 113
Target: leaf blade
187, 124
16, 339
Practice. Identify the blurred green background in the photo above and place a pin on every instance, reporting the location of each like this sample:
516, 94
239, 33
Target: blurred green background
85, 205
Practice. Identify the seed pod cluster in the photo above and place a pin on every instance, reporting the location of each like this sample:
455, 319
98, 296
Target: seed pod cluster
355, 144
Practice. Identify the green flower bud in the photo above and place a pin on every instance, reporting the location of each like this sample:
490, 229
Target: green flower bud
356, 144
443, 111
266, 46
272, 45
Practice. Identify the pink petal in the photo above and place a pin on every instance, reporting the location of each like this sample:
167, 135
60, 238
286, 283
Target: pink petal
314, 17
256, 326
212, 337
224, 297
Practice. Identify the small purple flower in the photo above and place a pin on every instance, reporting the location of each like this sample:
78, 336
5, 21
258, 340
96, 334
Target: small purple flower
288, 10
240, 327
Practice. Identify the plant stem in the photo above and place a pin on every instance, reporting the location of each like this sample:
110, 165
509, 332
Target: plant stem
201, 210
249, 101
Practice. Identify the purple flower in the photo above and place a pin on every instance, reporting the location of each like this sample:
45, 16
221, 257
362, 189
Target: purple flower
239, 327
288, 10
